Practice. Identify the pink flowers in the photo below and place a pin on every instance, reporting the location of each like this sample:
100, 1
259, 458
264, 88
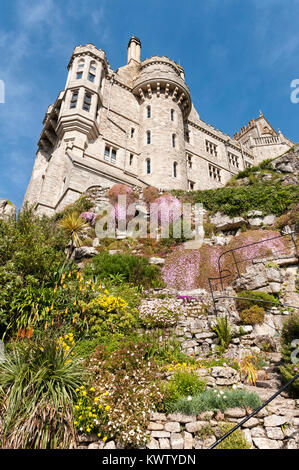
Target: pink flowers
89, 217
168, 206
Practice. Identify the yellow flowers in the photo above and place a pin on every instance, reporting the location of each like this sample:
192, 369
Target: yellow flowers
109, 302
91, 412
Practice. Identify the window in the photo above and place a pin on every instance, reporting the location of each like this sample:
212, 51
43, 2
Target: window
211, 148
87, 101
113, 156
148, 137
173, 140
189, 161
80, 68
214, 172
131, 158
247, 164
148, 111
107, 153
148, 166
233, 159
132, 132
74, 99
187, 135
191, 185
92, 72
110, 154
172, 114
175, 166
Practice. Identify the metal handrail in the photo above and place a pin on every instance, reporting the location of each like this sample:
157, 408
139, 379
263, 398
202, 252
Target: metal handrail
254, 412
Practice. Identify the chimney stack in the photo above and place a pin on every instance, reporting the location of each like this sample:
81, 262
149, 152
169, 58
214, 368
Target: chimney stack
134, 50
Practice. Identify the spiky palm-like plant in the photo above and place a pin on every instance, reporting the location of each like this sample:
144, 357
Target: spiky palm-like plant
74, 226
38, 382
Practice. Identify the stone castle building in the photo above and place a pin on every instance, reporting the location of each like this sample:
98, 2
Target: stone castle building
136, 125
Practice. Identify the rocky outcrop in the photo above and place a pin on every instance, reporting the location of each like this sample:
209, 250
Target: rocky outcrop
224, 222
260, 277
288, 162
84, 252
7, 209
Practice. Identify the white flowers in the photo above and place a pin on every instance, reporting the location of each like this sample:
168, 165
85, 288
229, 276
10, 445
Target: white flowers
189, 398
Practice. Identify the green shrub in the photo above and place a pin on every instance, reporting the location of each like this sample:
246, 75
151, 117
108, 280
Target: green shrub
83, 204
235, 440
252, 315
271, 197
290, 332
183, 384
214, 400
288, 371
134, 269
261, 299
290, 329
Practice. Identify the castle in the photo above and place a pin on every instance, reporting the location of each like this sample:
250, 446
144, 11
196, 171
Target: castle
135, 126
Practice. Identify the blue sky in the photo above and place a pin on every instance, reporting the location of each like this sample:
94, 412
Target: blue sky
239, 57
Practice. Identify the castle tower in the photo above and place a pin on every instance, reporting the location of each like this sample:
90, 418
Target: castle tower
165, 103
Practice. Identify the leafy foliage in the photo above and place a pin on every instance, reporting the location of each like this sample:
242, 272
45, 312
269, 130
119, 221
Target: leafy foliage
182, 384
270, 197
133, 269
247, 299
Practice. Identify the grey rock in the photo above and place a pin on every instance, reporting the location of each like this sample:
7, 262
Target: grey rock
274, 420
84, 252
263, 443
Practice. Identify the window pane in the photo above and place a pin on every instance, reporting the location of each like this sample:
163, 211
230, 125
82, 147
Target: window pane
79, 75
113, 155
91, 77
106, 154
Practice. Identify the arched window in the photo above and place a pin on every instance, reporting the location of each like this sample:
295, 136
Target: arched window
148, 166
148, 111
148, 137
175, 166
173, 140
80, 68
172, 114
92, 71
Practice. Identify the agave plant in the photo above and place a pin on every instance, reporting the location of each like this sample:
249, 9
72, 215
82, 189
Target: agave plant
74, 226
37, 388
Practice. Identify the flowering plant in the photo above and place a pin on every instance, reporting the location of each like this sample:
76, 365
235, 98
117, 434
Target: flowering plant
128, 380
91, 412
89, 217
160, 312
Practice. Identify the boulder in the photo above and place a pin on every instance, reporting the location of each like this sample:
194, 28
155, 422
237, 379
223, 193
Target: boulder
288, 162
7, 209
84, 252
224, 222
